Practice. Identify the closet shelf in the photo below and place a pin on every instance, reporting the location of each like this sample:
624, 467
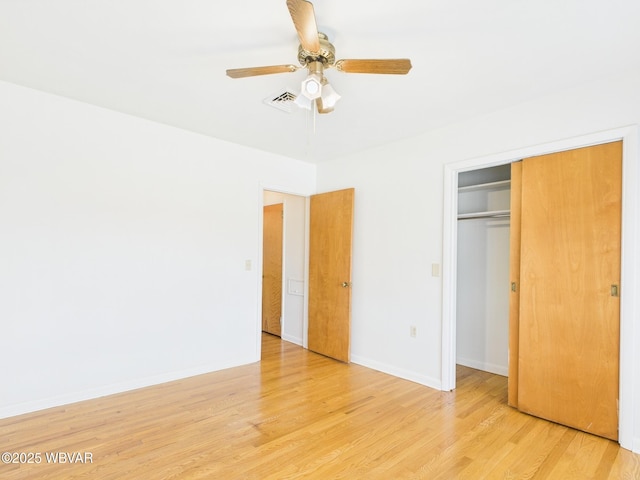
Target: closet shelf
489, 214
486, 186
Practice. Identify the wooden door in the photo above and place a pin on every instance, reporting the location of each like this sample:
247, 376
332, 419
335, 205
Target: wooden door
514, 274
330, 239
272, 269
569, 327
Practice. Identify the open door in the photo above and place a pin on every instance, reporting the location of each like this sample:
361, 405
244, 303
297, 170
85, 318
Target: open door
272, 269
330, 240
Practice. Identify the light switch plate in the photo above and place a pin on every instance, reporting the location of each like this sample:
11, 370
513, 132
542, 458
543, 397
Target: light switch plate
435, 269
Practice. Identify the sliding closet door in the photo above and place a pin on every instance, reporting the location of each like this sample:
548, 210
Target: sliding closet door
568, 366
514, 275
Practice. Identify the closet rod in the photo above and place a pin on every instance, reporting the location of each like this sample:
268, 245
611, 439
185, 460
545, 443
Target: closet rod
496, 214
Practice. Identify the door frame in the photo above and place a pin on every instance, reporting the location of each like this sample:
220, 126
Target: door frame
630, 270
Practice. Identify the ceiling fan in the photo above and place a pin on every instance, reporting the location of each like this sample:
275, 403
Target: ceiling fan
316, 54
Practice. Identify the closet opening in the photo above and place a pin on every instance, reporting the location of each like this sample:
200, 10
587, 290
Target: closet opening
482, 289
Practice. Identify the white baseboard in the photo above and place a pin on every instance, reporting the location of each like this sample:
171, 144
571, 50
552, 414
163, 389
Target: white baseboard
291, 339
398, 372
484, 366
29, 407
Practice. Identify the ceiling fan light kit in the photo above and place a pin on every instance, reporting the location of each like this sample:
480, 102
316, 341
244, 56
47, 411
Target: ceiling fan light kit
303, 101
316, 54
316, 87
311, 87
328, 99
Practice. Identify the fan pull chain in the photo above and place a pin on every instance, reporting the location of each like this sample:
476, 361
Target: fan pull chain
314, 108
308, 128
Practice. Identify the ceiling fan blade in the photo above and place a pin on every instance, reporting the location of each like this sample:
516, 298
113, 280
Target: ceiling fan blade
255, 71
394, 66
304, 19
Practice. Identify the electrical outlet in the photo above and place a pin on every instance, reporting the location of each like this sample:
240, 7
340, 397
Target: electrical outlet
412, 331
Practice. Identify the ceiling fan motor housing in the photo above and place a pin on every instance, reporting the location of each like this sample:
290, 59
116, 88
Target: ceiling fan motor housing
326, 55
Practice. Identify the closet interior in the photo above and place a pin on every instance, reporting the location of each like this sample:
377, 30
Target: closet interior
482, 310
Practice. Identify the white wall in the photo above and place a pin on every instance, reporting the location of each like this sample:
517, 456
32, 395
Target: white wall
482, 311
398, 227
293, 264
122, 250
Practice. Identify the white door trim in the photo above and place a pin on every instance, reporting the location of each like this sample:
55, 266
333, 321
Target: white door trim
629, 312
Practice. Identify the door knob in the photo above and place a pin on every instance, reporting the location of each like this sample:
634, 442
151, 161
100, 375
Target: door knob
346, 284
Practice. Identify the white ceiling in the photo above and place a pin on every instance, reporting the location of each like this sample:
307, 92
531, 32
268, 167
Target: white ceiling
165, 60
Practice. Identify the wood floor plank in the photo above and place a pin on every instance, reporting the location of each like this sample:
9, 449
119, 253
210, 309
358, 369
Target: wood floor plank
299, 415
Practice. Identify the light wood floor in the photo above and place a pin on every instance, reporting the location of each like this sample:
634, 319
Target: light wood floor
300, 415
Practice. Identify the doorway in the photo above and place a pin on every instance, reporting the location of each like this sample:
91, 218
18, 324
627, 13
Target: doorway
291, 291
330, 318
